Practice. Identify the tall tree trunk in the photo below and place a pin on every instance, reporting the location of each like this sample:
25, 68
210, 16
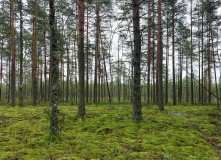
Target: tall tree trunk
68, 71
41, 77
208, 57
118, 72
167, 57
153, 56
191, 55
173, 56
76, 86
9, 78
61, 61
149, 53
181, 75
199, 94
137, 114
54, 71
96, 53
87, 77
202, 56
34, 81
214, 65
21, 58
13, 56
99, 73
187, 81
104, 65
81, 103
45, 65
1, 72
160, 59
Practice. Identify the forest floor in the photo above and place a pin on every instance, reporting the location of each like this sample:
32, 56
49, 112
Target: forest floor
108, 132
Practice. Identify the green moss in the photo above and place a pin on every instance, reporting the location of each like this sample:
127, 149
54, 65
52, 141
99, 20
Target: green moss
108, 132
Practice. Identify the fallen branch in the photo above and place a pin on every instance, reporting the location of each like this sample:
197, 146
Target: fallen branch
23, 119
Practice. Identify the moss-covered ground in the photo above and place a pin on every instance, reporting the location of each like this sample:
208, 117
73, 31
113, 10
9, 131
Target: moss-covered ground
108, 132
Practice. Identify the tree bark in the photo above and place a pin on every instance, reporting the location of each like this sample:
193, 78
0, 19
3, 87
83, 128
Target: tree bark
54, 71
173, 56
13, 85
104, 65
81, 102
21, 58
214, 65
87, 77
208, 58
96, 54
34, 81
45, 65
1, 72
202, 56
68, 71
167, 57
160, 59
191, 54
137, 113
149, 53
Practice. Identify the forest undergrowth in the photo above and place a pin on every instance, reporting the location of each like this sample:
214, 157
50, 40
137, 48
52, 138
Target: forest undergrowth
108, 132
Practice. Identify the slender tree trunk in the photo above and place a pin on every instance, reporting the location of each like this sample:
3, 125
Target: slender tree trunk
21, 58
173, 56
54, 71
167, 57
99, 73
76, 86
68, 71
1, 72
202, 57
72, 77
112, 83
13, 85
181, 75
160, 59
34, 81
149, 53
153, 57
61, 60
187, 81
199, 94
25, 84
41, 82
9, 78
87, 77
45, 61
104, 65
137, 114
81, 102
96, 53
118, 72
208, 56
191, 56
214, 65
